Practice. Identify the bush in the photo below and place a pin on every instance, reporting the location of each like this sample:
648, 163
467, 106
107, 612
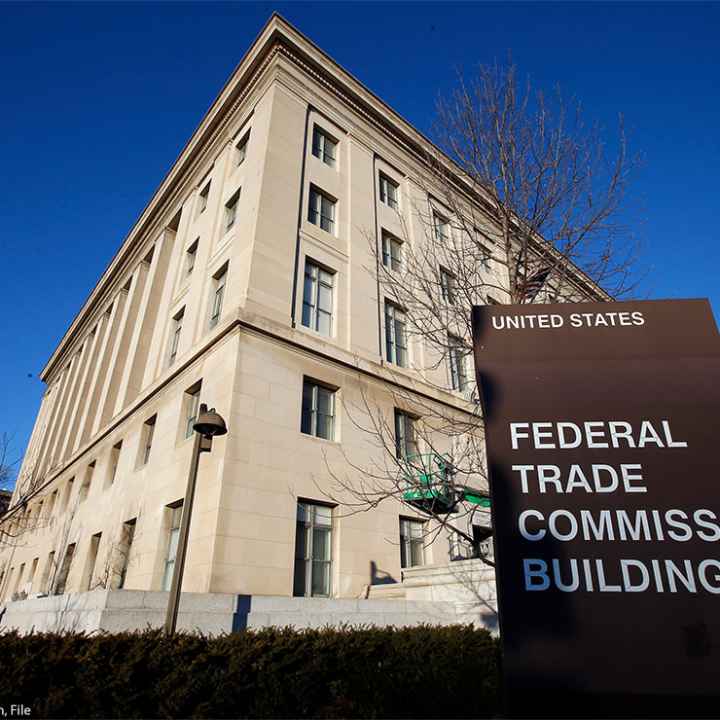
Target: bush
370, 672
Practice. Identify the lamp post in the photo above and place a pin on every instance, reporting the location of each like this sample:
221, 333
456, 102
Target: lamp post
207, 426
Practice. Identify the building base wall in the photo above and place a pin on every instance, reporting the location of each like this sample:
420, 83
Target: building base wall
213, 613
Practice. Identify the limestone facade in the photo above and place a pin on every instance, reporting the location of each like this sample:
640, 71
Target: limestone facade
286, 175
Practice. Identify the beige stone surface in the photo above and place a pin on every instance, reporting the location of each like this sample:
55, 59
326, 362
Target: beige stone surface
112, 370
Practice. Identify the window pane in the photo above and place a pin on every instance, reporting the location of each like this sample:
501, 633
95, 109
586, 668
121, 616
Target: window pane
303, 512
302, 538
321, 578
316, 143
325, 298
416, 553
321, 543
324, 401
324, 426
307, 409
299, 578
324, 323
323, 515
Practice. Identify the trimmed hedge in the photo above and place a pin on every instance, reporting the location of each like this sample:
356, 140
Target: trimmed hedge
369, 672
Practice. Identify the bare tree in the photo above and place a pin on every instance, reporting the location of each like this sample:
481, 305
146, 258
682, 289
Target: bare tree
521, 201
21, 515
7, 463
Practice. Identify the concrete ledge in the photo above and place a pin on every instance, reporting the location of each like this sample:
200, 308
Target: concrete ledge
461, 592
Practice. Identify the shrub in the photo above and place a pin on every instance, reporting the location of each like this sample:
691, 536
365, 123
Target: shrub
368, 672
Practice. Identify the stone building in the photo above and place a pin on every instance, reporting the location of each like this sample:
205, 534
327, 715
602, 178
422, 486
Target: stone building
247, 284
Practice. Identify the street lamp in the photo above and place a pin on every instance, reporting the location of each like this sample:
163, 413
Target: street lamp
207, 426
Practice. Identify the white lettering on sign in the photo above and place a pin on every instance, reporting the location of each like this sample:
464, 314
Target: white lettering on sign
626, 526
547, 321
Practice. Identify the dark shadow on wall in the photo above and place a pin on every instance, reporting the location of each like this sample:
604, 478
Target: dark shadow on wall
380, 577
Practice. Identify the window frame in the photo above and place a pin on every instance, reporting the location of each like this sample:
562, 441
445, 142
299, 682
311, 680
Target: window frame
203, 197
312, 427
388, 243
218, 295
395, 318
408, 542
441, 221
312, 303
191, 252
175, 332
406, 438
327, 223
457, 353
173, 534
307, 558
448, 286
241, 147
191, 404
114, 461
129, 528
86, 485
146, 441
391, 199
321, 138
231, 208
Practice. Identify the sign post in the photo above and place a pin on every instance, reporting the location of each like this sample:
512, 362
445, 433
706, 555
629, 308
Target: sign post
602, 427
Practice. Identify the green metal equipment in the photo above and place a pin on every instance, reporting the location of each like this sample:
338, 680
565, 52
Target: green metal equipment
430, 487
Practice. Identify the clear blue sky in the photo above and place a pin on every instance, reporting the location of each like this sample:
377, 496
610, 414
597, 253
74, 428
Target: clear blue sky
100, 98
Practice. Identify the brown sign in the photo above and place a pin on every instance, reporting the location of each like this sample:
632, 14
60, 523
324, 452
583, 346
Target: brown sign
603, 438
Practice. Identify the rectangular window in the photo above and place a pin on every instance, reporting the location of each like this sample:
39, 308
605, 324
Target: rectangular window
203, 198
447, 286
61, 582
148, 433
190, 257
87, 481
389, 192
318, 410
31, 578
114, 460
405, 436
18, 579
324, 147
411, 543
48, 573
92, 561
456, 355
126, 541
442, 228
321, 210
218, 292
52, 502
68, 493
395, 335
313, 551
175, 332
241, 148
172, 546
391, 251
318, 298
231, 210
192, 404
486, 256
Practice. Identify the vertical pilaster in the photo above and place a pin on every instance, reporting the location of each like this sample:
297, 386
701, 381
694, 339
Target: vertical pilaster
97, 383
69, 435
119, 357
144, 327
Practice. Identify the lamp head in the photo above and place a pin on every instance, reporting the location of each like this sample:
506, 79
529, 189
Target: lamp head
209, 423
